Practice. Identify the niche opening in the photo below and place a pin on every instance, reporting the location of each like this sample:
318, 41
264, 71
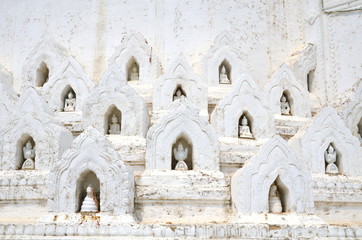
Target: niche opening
42, 75
332, 158
186, 144
286, 103
20, 158
279, 201
132, 69
359, 125
225, 72
112, 120
245, 129
178, 93
68, 99
86, 179
310, 80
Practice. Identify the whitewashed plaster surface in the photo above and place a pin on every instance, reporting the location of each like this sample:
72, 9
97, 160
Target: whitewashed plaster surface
271, 47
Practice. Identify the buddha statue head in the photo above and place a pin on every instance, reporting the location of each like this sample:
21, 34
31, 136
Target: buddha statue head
134, 68
29, 145
330, 149
244, 122
223, 70
114, 118
70, 95
284, 99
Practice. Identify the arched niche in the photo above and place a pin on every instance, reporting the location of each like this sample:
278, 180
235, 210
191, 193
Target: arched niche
42, 75
108, 118
225, 63
310, 81
312, 140
87, 178
186, 143
275, 162
283, 193
250, 120
19, 150
285, 82
338, 161
359, 125
178, 93
289, 100
131, 65
64, 96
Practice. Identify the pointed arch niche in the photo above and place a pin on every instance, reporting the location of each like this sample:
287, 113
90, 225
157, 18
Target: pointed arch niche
277, 163
186, 143
178, 89
289, 100
243, 98
69, 75
32, 118
114, 94
134, 48
64, 95
312, 140
180, 73
223, 52
182, 120
131, 64
225, 63
42, 75
102, 167
87, 178
108, 118
338, 161
285, 82
283, 193
19, 150
250, 120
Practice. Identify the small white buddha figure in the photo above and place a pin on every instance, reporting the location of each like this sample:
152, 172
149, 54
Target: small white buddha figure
244, 129
181, 155
275, 205
90, 203
134, 73
284, 106
114, 127
29, 155
330, 157
178, 94
69, 102
223, 76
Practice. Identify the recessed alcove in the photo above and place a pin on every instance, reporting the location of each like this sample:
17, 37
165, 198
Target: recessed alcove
132, 62
19, 150
42, 74
359, 125
186, 143
283, 192
289, 100
338, 157
108, 118
225, 63
87, 178
64, 96
310, 81
250, 121
178, 93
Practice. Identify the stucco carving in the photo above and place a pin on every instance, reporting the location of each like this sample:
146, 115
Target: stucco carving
134, 47
284, 81
243, 98
113, 91
91, 152
47, 51
353, 113
302, 61
179, 74
8, 96
183, 119
250, 185
223, 48
32, 118
70, 76
313, 139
